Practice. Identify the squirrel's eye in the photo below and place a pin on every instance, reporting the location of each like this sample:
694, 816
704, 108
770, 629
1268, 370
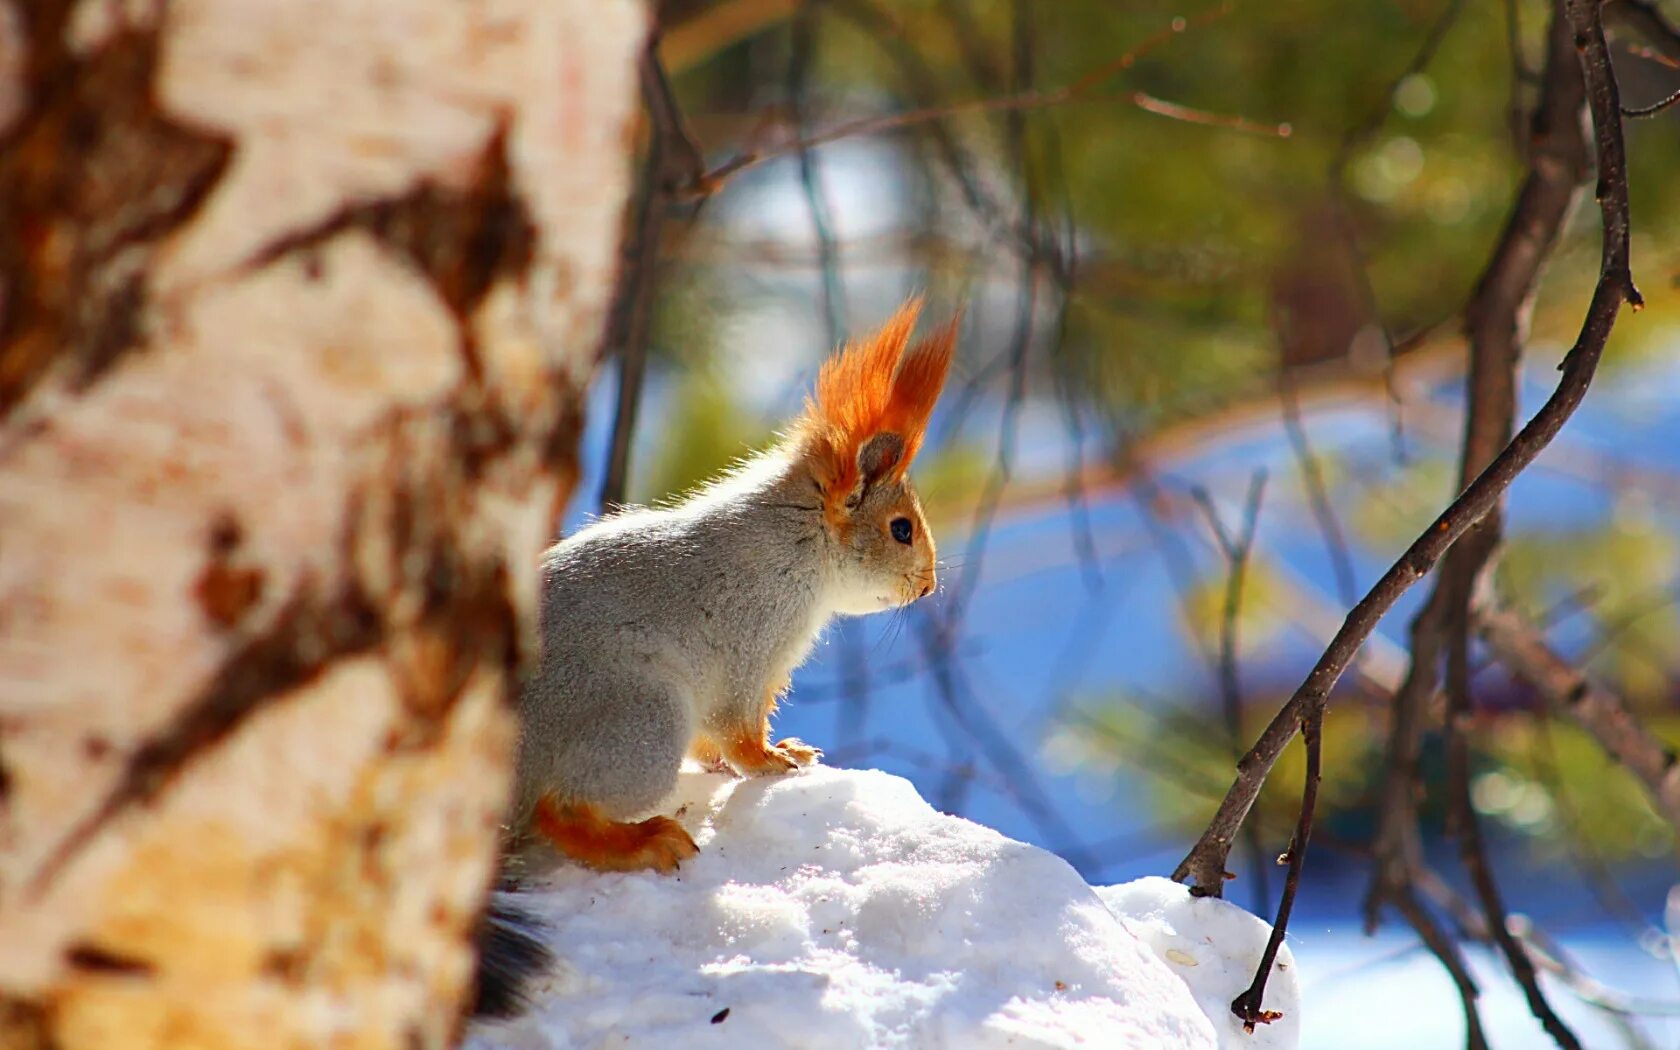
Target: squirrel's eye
901, 529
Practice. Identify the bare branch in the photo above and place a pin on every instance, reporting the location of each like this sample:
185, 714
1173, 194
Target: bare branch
1205, 864
883, 28
1249, 1006
672, 156
1519, 75
1472, 848
1021, 342
817, 205
1594, 708
717, 26
1496, 320
1653, 109
957, 700
1318, 494
1588, 861
1444, 949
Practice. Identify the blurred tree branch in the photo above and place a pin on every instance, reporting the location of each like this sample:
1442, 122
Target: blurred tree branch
672, 157
1082, 89
1594, 708
1352, 141
1236, 549
1496, 323
1647, 18
1205, 864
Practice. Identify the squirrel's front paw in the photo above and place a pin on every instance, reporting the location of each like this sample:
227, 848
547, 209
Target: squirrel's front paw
758, 759
799, 751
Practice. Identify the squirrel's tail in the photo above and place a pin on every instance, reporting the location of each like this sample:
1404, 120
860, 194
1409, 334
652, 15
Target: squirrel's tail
511, 954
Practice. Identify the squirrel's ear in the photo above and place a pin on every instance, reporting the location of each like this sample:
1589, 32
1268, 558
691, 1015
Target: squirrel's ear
879, 456
872, 405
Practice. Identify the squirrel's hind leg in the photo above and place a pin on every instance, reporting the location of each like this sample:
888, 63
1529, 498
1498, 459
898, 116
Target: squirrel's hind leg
603, 745
579, 831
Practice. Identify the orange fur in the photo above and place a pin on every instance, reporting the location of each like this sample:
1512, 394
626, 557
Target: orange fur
879, 385
747, 747
753, 754
705, 751
580, 832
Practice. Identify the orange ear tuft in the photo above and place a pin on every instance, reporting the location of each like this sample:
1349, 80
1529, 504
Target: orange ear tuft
916, 386
872, 387
856, 385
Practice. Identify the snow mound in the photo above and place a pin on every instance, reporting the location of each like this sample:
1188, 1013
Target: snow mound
1214, 946
836, 908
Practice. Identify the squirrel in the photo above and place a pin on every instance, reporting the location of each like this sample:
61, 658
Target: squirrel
672, 631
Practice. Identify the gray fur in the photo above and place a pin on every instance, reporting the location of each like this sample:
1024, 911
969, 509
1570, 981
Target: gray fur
658, 623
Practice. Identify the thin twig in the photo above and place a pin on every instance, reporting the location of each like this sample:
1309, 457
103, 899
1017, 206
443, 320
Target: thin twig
1204, 863
1550, 957
1519, 75
1064, 262
1236, 550
1653, 109
1447, 952
817, 204
1318, 494
671, 156
854, 712
1020, 343
1250, 1005
1588, 861
1653, 55
1073, 487
1467, 826
884, 30
1542, 950
1612, 629
715, 27
1151, 500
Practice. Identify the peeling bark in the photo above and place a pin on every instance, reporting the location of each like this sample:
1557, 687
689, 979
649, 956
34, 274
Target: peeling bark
297, 302
75, 239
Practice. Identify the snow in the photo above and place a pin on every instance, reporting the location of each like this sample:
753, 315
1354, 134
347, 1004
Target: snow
1213, 945
836, 908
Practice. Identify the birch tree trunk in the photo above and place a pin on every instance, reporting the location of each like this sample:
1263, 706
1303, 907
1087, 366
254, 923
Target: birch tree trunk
298, 299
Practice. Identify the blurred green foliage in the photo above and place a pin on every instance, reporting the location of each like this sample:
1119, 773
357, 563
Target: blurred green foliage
1197, 239
1627, 569
1207, 257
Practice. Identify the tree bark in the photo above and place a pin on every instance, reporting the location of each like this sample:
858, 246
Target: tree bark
297, 304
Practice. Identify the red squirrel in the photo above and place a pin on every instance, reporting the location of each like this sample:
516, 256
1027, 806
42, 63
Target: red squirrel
672, 631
